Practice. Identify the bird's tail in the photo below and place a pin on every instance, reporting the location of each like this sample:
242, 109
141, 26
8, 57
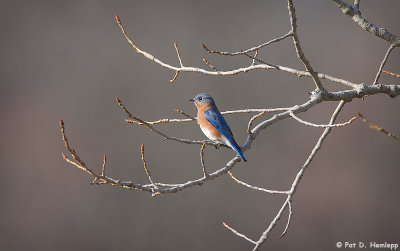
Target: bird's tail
237, 149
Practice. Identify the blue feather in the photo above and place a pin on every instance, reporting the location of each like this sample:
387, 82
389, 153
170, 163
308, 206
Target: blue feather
217, 121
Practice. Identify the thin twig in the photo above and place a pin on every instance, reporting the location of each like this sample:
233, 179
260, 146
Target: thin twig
238, 234
202, 159
177, 53
299, 51
252, 120
315, 125
81, 165
392, 74
378, 74
180, 62
151, 128
299, 175
226, 53
254, 59
66, 143
289, 219
145, 166
103, 168
190, 118
304, 73
365, 24
181, 112
255, 187
175, 76
210, 65
376, 127
230, 72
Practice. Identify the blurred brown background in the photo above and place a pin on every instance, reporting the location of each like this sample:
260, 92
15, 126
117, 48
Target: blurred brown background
69, 59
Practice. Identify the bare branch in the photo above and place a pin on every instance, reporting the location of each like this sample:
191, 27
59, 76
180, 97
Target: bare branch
365, 24
300, 54
184, 114
81, 165
361, 91
255, 48
252, 120
256, 188
145, 166
378, 74
304, 73
175, 76
103, 169
289, 219
315, 125
177, 53
180, 62
316, 97
254, 59
299, 175
238, 234
392, 74
103, 172
210, 65
378, 128
229, 72
191, 119
202, 160
166, 137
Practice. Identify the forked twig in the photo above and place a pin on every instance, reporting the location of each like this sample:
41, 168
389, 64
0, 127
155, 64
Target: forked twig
296, 181
320, 95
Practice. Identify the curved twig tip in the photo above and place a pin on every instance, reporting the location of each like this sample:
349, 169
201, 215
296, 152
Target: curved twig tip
117, 19
205, 47
117, 99
61, 122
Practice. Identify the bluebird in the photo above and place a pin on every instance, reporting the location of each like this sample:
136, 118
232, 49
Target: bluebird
213, 124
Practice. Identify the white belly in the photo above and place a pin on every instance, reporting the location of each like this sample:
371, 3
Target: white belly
210, 136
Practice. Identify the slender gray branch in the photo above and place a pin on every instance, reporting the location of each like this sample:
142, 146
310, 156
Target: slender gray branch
299, 175
228, 72
299, 50
365, 24
255, 48
378, 74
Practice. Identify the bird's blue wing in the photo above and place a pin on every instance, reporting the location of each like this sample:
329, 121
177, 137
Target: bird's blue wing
217, 120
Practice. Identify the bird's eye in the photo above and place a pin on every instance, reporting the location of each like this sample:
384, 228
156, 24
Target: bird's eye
200, 98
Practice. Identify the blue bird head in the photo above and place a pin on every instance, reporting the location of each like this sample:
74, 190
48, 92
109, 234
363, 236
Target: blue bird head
202, 99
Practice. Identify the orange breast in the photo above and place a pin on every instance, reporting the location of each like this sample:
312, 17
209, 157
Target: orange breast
210, 131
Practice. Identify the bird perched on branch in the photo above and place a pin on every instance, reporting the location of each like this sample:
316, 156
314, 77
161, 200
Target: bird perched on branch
213, 124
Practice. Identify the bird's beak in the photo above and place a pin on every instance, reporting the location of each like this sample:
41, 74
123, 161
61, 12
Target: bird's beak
191, 100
